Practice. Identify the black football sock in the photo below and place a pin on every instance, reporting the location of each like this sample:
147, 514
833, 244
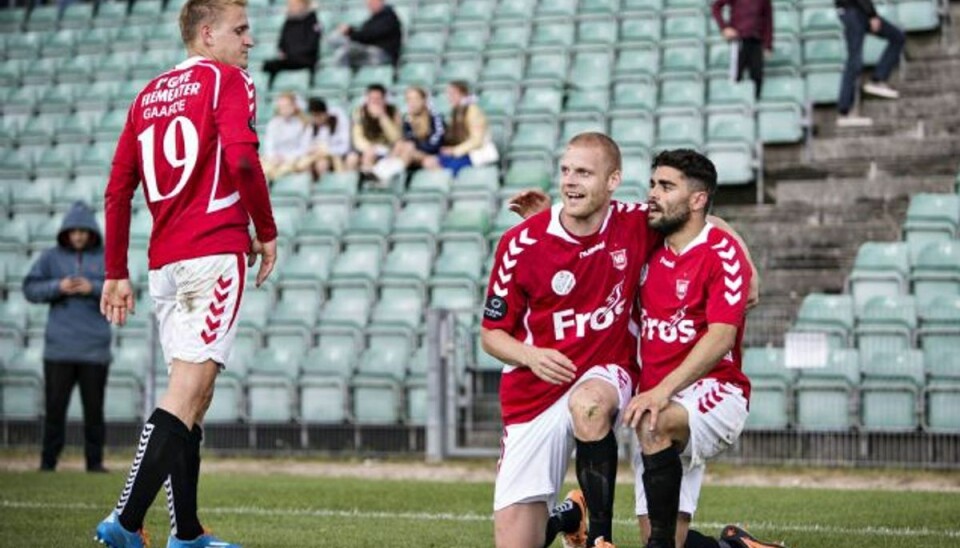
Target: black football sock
564, 518
696, 539
597, 474
162, 441
662, 473
181, 487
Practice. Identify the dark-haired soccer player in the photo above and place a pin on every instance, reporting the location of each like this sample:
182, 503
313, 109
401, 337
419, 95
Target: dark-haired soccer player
693, 396
190, 138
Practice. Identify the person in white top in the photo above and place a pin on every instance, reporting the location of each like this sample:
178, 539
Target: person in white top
283, 142
326, 140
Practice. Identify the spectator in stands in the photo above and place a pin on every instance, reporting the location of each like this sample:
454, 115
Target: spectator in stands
750, 29
376, 42
860, 17
326, 140
69, 276
467, 141
422, 136
282, 144
299, 46
376, 128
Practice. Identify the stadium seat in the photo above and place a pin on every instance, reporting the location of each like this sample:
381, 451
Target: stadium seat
822, 20
683, 58
634, 97
684, 26
880, 269
540, 100
600, 32
467, 39
372, 217
679, 130
327, 218
508, 38
498, 102
349, 305
534, 138
365, 76
401, 304
547, 68
786, 58
460, 258
478, 178
408, 260
832, 314
918, 15
424, 43
943, 407
633, 131
683, 92
229, 407
270, 400
376, 401
572, 127
731, 126
122, 400
889, 406
734, 162
768, 405
472, 12
557, 35
323, 399
335, 355
936, 272
557, 9
885, 324
469, 215
386, 355
598, 64
297, 306
824, 396
433, 15
431, 182
640, 30
931, 217
360, 259
282, 356
416, 73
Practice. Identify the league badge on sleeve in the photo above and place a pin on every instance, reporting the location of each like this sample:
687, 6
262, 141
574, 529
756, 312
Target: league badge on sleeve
495, 309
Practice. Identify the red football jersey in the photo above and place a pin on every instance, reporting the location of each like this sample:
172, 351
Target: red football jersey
551, 289
681, 294
174, 140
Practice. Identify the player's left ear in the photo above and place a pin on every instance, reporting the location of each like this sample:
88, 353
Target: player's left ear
613, 181
699, 200
206, 34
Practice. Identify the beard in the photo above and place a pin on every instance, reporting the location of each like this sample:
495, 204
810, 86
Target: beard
668, 223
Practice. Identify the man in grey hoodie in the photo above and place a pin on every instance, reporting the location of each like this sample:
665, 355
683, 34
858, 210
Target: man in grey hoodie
69, 276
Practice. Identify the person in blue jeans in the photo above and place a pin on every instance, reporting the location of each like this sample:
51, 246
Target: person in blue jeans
860, 17
69, 276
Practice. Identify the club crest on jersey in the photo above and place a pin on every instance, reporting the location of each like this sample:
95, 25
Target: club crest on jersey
682, 286
619, 259
563, 282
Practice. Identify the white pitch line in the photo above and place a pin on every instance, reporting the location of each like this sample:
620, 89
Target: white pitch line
473, 517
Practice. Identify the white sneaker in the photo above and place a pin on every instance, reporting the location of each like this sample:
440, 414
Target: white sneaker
881, 89
852, 120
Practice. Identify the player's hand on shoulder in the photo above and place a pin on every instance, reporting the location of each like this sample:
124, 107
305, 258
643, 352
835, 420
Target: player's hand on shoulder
528, 203
268, 253
550, 365
116, 301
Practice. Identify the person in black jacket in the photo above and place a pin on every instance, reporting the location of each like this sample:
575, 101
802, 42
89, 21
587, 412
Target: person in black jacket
299, 46
860, 17
376, 42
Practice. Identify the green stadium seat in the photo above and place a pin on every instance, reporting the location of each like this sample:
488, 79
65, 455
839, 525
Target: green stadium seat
360, 259
24, 45
780, 123
547, 67
59, 44
376, 401
229, 405
767, 363
97, 41
553, 35
292, 185
768, 405
786, 20
823, 84
683, 58
640, 30
298, 306
787, 57
146, 12
386, 355
528, 173
593, 7
43, 18
323, 399
508, 37
349, 305
831, 314
572, 127
682, 93
534, 137
734, 162
282, 356
596, 63
421, 216
400, 305
424, 43
372, 217
593, 100
365, 76
270, 400
521, 10
460, 258
311, 265
636, 170
408, 260
467, 39
422, 74
641, 5
478, 178
326, 218
12, 19
346, 183
686, 5
466, 69
735, 126
416, 400
820, 20
335, 355
722, 94
679, 130
633, 131
936, 272
431, 182
918, 16
885, 324
434, 15
255, 309
634, 97
503, 69
122, 400
467, 214
498, 102
889, 406
684, 27
597, 32
540, 100
453, 295
932, 216
880, 269
473, 12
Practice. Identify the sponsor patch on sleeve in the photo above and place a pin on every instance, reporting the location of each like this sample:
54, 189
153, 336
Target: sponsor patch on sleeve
495, 309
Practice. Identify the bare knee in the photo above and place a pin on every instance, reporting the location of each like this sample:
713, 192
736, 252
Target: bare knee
671, 428
593, 406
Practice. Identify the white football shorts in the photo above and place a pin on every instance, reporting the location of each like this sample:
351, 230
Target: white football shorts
534, 455
196, 302
717, 412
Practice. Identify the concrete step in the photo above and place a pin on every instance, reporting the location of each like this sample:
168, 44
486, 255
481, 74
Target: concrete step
849, 191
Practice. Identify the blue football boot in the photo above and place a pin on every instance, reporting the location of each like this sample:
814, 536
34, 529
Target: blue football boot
112, 534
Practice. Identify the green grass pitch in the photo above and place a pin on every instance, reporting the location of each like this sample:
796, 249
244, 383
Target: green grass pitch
282, 510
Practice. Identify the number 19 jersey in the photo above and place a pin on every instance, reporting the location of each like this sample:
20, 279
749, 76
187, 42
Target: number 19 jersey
176, 132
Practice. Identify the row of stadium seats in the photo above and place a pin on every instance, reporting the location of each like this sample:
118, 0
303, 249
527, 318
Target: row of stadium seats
897, 391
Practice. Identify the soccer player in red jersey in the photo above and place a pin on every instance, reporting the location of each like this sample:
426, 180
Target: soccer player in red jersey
190, 138
557, 310
692, 395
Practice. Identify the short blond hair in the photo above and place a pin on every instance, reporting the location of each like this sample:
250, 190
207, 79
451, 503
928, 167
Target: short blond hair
608, 148
195, 13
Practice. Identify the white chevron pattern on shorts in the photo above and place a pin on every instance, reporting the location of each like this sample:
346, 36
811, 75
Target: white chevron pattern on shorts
135, 467
515, 247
